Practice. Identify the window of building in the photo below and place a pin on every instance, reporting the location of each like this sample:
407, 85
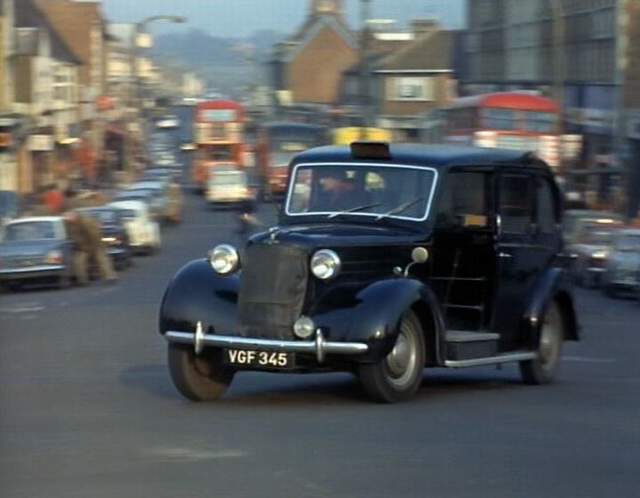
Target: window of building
412, 89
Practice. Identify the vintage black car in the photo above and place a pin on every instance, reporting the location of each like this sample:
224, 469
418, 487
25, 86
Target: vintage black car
386, 260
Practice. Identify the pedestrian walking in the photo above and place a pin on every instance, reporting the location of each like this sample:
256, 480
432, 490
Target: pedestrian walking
97, 249
80, 246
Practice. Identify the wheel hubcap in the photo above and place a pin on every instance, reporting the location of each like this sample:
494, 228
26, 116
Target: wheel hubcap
549, 342
401, 361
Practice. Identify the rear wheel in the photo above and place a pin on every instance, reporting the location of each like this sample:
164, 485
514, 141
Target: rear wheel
542, 370
198, 377
398, 376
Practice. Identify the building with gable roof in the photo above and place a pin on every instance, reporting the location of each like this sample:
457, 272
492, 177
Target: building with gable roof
308, 66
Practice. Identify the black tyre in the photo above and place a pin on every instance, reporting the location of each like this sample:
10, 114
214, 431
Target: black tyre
398, 376
198, 377
542, 370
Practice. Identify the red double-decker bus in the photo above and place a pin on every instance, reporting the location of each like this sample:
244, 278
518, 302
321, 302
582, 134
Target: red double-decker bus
506, 120
219, 138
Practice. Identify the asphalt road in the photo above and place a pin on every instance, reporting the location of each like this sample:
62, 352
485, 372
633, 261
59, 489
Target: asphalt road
87, 409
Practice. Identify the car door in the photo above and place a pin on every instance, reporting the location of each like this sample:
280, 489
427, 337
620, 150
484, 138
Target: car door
515, 251
464, 261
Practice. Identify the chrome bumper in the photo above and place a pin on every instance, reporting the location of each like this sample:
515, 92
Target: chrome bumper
31, 272
320, 347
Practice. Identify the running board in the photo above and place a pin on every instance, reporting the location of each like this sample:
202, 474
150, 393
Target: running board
492, 360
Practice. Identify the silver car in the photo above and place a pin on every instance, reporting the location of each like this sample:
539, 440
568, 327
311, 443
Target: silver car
591, 248
622, 273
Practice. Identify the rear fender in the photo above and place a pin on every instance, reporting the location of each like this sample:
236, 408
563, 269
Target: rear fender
372, 315
552, 285
199, 294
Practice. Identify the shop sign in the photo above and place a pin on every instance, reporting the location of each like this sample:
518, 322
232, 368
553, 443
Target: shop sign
41, 143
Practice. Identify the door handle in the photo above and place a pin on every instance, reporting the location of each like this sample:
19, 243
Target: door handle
505, 255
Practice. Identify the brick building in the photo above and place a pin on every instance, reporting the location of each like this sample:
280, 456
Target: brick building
308, 66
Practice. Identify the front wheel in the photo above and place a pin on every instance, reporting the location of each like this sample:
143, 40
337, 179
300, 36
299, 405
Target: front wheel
542, 369
198, 377
398, 376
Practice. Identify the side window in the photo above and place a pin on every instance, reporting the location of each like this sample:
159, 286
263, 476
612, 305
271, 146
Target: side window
516, 206
465, 201
546, 209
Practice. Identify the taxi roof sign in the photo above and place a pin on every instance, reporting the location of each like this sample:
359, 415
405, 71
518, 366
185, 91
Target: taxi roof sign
370, 150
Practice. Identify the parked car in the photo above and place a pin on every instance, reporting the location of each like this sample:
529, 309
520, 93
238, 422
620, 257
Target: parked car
590, 248
623, 265
114, 233
9, 206
156, 206
35, 249
385, 260
143, 231
166, 198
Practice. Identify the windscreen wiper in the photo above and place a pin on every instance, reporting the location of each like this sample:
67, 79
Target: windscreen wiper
353, 210
400, 208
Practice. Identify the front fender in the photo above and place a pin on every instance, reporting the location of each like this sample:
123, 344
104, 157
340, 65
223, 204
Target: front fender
372, 314
552, 284
198, 294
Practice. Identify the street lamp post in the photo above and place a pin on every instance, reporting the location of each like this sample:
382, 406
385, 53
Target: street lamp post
365, 86
139, 28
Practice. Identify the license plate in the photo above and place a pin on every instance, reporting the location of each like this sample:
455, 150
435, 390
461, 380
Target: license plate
259, 359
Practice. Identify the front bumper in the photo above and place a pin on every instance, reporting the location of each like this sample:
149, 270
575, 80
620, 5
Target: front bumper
33, 272
319, 346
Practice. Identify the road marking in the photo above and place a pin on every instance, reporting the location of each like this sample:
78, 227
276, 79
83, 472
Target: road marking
23, 309
584, 359
188, 454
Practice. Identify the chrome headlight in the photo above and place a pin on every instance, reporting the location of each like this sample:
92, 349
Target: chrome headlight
224, 259
325, 264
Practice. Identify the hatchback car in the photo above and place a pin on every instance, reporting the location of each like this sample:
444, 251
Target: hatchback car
386, 260
142, 230
35, 249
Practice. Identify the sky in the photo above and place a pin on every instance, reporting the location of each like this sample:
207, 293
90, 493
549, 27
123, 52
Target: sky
239, 18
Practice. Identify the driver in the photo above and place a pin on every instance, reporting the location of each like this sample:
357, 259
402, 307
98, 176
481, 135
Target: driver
337, 192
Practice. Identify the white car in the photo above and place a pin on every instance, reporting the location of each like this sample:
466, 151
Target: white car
143, 231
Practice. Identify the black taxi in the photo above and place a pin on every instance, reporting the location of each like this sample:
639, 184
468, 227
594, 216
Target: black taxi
386, 259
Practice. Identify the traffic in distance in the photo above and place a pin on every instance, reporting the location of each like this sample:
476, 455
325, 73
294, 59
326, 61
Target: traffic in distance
385, 260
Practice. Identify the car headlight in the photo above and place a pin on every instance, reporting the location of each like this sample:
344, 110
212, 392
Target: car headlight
54, 258
224, 259
599, 255
325, 264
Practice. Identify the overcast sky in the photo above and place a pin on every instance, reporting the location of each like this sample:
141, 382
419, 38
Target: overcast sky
243, 17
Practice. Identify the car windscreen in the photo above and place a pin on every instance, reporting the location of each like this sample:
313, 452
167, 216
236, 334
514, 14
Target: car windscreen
33, 230
229, 178
392, 191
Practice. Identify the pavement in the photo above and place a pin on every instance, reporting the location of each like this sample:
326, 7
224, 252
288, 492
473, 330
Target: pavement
87, 408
